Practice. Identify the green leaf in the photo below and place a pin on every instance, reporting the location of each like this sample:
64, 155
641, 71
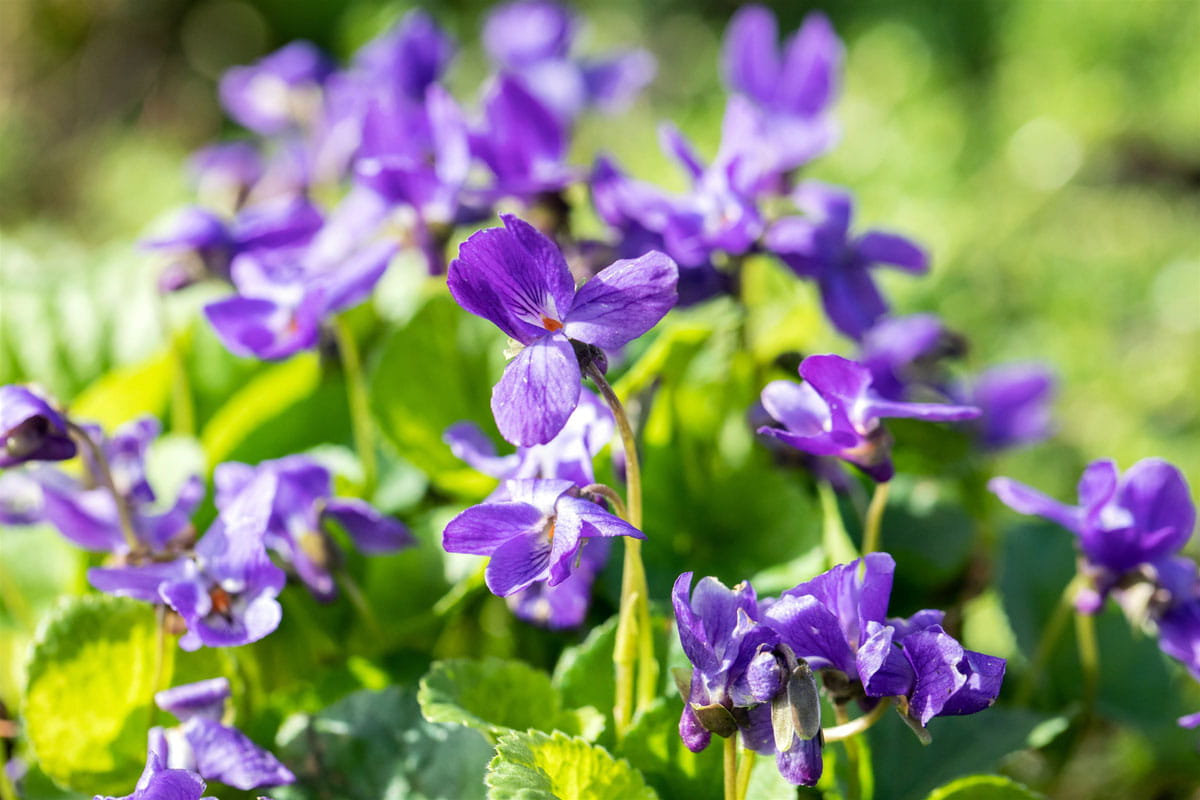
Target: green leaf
654, 747
433, 371
127, 392
95, 654
539, 766
495, 696
374, 744
984, 787
267, 395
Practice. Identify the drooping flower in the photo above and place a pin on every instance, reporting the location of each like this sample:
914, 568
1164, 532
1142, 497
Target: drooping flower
819, 246
1122, 521
532, 39
533, 536
835, 412
225, 591
202, 744
518, 279
301, 508
160, 782
30, 429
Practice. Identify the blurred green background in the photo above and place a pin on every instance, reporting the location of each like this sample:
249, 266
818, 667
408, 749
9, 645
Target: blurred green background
1046, 151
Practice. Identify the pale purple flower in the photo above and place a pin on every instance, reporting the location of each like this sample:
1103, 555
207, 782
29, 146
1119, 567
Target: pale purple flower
1015, 401
835, 412
202, 744
518, 279
534, 536
158, 781
302, 506
278, 93
820, 246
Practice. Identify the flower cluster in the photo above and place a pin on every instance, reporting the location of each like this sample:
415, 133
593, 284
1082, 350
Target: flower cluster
754, 662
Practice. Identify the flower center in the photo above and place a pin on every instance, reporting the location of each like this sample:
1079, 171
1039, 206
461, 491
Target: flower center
222, 603
551, 324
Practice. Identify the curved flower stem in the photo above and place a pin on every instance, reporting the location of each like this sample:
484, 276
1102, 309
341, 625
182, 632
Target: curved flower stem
609, 494
745, 769
633, 652
848, 728
731, 767
1053, 630
103, 476
160, 658
360, 406
358, 599
1089, 658
872, 529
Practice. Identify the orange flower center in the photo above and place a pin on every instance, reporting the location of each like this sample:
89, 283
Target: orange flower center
551, 324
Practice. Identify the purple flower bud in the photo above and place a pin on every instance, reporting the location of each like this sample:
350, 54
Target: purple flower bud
30, 429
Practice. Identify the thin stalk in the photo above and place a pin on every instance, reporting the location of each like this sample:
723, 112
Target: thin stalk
103, 476
160, 657
609, 494
849, 728
745, 769
1089, 658
359, 600
633, 652
360, 406
834, 539
731, 767
872, 529
853, 754
183, 409
1050, 635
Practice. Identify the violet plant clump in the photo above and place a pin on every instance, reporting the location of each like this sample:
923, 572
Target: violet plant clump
331, 563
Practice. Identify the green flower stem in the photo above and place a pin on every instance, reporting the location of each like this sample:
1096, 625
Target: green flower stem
1089, 658
103, 476
160, 658
834, 539
363, 606
1050, 635
360, 406
745, 769
873, 528
731, 767
853, 754
633, 653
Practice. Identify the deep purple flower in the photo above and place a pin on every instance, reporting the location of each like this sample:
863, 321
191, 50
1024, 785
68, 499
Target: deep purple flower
531, 40
1015, 401
158, 781
534, 536
215, 751
838, 621
408, 58
31, 429
820, 247
1142, 517
835, 412
279, 92
518, 279
801, 81
302, 506
226, 591
903, 354
563, 605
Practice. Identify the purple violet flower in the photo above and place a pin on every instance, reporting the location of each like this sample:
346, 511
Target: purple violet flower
531, 40
904, 354
280, 92
1122, 522
225, 592
820, 247
31, 429
158, 781
835, 412
518, 279
215, 751
302, 506
521, 142
568, 456
534, 536
1015, 401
